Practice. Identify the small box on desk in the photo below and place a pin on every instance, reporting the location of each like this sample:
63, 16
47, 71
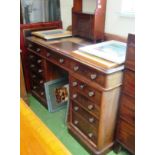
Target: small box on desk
57, 94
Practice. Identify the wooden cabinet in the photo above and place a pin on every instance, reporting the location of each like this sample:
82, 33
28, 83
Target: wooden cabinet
89, 25
125, 134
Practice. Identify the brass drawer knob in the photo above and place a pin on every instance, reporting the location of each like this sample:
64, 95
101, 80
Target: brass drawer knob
42, 93
48, 54
38, 49
76, 108
29, 45
91, 120
41, 81
61, 60
40, 71
74, 96
93, 76
90, 135
32, 65
76, 122
74, 84
91, 93
76, 68
90, 107
39, 61
82, 86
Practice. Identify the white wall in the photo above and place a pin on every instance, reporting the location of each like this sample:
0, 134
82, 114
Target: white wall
114, 23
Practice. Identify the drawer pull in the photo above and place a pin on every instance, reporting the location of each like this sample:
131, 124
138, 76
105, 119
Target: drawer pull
31, 56
29, 45
90, 107
34, 87
38, 49
90, 135
32, 66
76, 108
48, 54
82, 86
74, 84
41, 81
91, 120
93, 76
33, 76
74, 96
91, 93
61, 60
42, 93
39, 61
76, 68
40, 71
76, 122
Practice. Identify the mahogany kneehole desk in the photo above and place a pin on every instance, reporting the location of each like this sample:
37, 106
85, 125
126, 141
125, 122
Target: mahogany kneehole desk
94, 88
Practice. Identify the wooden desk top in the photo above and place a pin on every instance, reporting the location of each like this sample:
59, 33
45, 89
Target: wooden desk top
69, 47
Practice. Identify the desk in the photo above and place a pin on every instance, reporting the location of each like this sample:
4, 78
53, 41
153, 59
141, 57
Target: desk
94, 89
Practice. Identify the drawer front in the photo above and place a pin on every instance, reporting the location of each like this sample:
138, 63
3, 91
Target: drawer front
89, 73
130, 58
127, 108
84, 127
129, 83
126, 134
57, 58
86, 116
32, 58
35, 48
91, 107
85, 90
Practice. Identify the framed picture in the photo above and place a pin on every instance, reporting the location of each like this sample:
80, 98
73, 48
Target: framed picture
57, 94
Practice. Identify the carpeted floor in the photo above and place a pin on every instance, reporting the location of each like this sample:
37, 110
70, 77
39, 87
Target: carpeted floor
56, 122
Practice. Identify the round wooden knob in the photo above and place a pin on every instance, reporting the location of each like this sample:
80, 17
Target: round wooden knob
76, 122
31, 56
91, 93
76, 68
34, 87
82, 86
42, 93
93, 76
33, 76
74, 84
61, 60
91, 120
76, 108
74, 96
38, 49
90, 107
32, 65
39, 61
40, 70
29, 45
41, 81
48, 54
90, 135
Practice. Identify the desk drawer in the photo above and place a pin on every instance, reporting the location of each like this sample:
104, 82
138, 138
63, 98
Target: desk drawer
126, 134
85, 115
127, 108
89, 73
85, 127
32, 58
35, 47
129, 82
91, 93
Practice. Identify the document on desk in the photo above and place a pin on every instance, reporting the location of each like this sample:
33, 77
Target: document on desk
113, 51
